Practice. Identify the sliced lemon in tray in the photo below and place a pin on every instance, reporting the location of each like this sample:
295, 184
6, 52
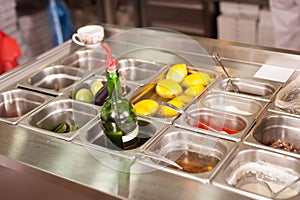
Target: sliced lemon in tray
146, 107
168, 88
194, 90
199, 78
177, 72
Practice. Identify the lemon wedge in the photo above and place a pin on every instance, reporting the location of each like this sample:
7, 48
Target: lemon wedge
194, 90
146, 107
168, 88
177, 72
196, 79
169, 112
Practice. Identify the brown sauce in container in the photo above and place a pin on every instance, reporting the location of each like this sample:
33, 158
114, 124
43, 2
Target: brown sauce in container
193, 162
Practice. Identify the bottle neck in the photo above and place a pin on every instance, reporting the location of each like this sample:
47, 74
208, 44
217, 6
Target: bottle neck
113, 85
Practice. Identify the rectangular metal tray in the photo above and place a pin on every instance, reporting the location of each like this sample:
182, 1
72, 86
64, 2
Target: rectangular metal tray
128, 87
48, 117
233, 104
53, 79
176, 142
236, 125
271, 128
18, 103
249, 87
148, 91
254, 172
95, 139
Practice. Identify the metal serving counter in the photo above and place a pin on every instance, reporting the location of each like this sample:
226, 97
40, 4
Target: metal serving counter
29, 155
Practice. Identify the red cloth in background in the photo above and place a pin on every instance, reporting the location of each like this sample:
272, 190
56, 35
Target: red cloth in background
9, 53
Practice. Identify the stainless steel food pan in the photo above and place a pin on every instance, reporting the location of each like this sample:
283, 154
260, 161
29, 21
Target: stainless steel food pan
128, 87
18, 103
249, 87
229, 126
260, 174
139, 71
276, 132
199, 154
149, 91
91, 60
54, 80
233, 104
75, 114
94, 137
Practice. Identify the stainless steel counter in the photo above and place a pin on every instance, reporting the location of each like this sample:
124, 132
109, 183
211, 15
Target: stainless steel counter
71, 166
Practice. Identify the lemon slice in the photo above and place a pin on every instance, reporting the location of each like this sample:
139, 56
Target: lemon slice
196, 79
177, 72
146, 107
184, 99
168, 88
169, 112
194, 90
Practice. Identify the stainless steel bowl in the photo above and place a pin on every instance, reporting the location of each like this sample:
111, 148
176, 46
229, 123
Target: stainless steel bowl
16, 103
75, 114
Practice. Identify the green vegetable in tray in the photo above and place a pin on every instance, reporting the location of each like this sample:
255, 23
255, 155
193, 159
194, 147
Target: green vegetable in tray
64, 128
61, 128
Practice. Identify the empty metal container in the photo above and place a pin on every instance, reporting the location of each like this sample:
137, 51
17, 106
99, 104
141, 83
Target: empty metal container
258, 174
53, 80
74, 114
139, 70
86, 60
17, 103
199, 155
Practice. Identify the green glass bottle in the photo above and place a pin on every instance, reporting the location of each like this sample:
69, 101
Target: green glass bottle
118, 115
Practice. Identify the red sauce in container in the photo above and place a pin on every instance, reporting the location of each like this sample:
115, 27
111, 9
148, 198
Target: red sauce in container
227, 130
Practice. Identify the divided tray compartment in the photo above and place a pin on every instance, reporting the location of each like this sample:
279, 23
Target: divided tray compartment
200, 155
232, 126
127, 87
260, 174
76, 115
148, 91
54, 79
249, 87
276, 132
18, 103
